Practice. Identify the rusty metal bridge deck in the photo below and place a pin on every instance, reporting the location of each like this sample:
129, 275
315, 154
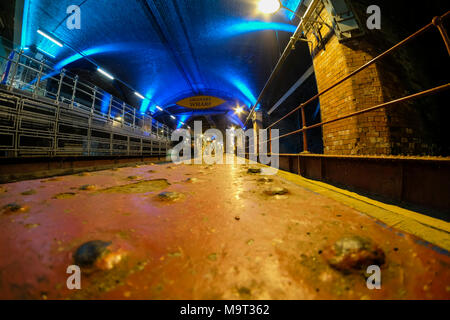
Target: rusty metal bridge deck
218, 232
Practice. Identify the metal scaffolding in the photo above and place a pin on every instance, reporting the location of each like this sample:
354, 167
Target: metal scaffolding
50, 112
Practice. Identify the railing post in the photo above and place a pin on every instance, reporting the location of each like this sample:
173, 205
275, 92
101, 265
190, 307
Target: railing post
123, 114
60, 82
58, 110
111, 142
151, 127
90, 120
159, 143
75, 82
109, 107
437, 21
38, 82
93, 99
305, 137
16, 66
270, 140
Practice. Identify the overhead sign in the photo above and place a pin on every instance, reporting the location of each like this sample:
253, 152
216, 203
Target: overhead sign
200, 102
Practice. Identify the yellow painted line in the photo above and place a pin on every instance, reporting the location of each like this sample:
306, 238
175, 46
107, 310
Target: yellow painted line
430, 229
430, 221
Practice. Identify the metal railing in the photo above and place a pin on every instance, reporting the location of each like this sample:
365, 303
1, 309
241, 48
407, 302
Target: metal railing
437, 22
45, 111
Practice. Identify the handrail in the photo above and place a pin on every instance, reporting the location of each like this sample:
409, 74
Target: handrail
437, 22
379, 106
31, 78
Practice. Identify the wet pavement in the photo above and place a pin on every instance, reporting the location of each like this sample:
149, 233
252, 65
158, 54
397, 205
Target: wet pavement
166, 231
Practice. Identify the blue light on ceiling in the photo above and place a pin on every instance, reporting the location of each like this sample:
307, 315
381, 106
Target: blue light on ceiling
253, 26
293, 5
105, 102
148, 104
49, 37
234, 119
26, 9
46, 53
144, 105
182, 118
243, 88
148, 65
48, 44
108, 48
77, 56
48, 47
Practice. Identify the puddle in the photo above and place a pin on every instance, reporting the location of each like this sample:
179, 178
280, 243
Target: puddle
169, 196
64, 195
139, 187
28, 192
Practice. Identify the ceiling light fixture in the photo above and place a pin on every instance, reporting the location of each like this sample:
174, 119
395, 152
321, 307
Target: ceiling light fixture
139, 95
106, 74
42, 33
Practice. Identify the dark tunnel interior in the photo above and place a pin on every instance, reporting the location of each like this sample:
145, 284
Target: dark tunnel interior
204, 150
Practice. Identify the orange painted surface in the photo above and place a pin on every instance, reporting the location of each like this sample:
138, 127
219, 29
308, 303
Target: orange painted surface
224, 238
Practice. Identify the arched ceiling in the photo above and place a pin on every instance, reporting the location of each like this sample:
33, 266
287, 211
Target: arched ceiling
169, 49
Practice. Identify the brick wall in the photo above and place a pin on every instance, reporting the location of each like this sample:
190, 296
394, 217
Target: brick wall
365, 134
395, 130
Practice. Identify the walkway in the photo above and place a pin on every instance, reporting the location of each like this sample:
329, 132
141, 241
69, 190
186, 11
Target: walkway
207, 232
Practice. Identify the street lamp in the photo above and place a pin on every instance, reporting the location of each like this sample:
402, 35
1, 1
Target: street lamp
272, 6
239, 110
269, 6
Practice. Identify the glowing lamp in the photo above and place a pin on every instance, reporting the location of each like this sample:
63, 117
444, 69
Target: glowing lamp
239, 110
269, 6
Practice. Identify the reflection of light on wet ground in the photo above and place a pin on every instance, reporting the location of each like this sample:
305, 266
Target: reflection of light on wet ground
225, 237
